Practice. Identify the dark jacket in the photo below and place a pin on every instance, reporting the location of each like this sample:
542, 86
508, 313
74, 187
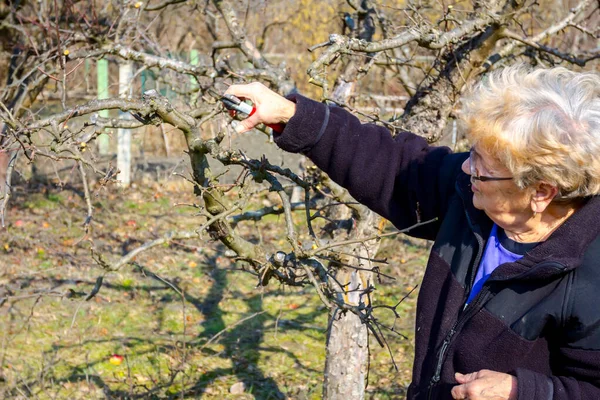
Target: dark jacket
537, 318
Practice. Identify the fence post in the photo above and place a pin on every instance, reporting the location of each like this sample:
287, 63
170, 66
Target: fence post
103, 140
124, 135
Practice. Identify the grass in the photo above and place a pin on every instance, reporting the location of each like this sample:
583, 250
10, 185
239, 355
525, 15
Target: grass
188, 343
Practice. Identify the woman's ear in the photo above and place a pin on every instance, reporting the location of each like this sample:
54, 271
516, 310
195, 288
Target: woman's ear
543, 195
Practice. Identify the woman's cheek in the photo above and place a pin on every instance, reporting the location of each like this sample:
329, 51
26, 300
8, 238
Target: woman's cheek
477, 200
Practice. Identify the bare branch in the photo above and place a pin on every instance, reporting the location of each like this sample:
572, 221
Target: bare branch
367, 239
116, 123
86, 193
582, 29
227, 10
317, 286
563, 56
149, 60
287, 211
89, 108
259, 214
156, 242
552, 30
373, 118
278, 76
230, 327
163, 4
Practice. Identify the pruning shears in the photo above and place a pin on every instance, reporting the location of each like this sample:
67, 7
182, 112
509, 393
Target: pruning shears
233, 103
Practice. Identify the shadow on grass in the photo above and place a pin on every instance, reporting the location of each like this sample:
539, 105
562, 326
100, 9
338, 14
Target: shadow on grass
242, 342
243, 351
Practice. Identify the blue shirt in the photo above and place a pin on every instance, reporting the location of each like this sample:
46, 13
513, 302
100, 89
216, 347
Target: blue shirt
497, 252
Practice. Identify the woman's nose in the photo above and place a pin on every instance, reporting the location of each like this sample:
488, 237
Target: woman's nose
466, 166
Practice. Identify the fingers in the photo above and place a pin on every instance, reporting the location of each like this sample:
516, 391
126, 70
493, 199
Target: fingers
249, 91
247, 124
271, 108
485, 384
459, 392
460, 378
465, 378
462, 391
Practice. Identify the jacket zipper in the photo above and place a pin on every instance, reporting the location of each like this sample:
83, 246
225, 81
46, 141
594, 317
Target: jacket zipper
463, 315
466, 315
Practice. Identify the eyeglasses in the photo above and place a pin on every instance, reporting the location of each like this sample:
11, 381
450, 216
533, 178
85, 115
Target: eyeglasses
475, 175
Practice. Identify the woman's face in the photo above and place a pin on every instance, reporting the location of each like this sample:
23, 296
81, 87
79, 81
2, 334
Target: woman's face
502, 200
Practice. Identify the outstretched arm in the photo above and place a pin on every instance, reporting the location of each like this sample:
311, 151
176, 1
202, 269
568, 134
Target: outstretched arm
403, 178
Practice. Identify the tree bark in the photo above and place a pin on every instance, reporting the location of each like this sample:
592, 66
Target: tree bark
347, 358
347, 355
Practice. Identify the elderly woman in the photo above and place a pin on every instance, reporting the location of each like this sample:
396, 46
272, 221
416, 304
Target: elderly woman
508, 305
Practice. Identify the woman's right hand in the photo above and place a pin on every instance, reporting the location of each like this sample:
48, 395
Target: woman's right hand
271, 108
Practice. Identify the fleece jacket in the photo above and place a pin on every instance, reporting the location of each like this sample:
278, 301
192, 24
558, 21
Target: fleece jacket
537, 318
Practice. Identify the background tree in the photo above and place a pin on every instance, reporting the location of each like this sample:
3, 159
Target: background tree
423, 52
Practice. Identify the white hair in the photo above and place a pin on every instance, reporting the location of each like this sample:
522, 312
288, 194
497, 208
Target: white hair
542, 124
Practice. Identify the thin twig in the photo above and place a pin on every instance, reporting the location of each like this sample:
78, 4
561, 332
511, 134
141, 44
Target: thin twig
230, 327
86, 193
362, 240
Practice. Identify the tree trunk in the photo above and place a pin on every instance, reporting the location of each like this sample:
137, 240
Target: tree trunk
347, 356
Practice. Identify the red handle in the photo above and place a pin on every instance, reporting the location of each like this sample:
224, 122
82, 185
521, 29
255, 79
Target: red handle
276, 127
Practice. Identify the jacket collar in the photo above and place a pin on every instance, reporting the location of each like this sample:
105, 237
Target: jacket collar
562, 251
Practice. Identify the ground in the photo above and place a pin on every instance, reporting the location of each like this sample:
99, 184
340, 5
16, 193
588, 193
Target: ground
184, 321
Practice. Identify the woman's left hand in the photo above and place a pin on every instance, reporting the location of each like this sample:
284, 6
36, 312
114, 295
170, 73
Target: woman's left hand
485, 384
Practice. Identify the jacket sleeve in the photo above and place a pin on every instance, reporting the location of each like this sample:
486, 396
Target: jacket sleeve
575, 356
580, 382
402, 179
